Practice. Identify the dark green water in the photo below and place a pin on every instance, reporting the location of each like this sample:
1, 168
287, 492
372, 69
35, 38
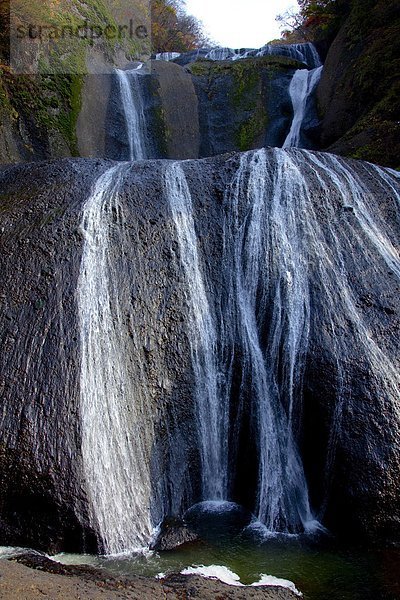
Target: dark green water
320, 571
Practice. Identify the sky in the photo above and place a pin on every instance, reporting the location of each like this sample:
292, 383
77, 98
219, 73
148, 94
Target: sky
240, 23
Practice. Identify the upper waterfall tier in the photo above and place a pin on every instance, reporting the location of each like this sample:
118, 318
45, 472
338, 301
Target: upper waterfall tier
210, 107
305, 53
301, 90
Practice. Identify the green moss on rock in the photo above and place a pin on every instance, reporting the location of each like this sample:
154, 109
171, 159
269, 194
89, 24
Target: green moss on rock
48, 103
238, 68
251, 130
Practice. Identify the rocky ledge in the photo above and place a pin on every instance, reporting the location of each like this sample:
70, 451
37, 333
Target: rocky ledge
33, 576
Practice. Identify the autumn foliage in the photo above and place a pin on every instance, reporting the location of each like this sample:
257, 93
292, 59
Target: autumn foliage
173, 30
313, 19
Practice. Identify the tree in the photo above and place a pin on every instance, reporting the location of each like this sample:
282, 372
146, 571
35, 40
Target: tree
173, 30
295, 27
315, 18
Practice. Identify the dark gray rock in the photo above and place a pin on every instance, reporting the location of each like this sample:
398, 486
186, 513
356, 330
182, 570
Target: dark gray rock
180, 113
358, 95
174, 532
243, 104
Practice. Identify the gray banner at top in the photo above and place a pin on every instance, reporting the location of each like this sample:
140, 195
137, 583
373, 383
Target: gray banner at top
77, 37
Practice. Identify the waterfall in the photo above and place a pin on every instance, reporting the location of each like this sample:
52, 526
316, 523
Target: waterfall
167, 56
135, 120
212, 414
301, 87
265, 271
220, 54
284, 275
305, 53
116, 418
268, 234
272, 239
276, 249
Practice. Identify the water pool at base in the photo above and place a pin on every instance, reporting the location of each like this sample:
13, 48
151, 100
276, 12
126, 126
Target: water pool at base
321, 571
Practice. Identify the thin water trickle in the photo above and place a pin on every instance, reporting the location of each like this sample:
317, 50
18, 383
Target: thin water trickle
133, 105
212, 414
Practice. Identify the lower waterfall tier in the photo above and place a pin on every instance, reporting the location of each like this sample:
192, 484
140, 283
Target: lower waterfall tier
220, 330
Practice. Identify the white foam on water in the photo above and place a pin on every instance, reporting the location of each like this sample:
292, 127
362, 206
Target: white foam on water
218, 506
230, 578
10, 551
74, 559
214, 572
270, 580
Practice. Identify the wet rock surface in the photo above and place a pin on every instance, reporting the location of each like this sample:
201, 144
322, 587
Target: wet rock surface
174, 532
243, 104
179, 106
43, 498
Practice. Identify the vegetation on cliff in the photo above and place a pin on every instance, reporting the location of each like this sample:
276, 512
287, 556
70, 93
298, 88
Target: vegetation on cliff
41, 93
359, 94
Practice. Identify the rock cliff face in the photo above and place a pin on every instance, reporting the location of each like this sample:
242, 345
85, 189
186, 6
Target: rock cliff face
349, 437
194, 111
205, 109
42, 89
179, 110
360, 89
43, 503
243, 104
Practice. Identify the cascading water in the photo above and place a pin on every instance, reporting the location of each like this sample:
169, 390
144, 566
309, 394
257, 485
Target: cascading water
265, 270
309, 243
135, 120
302, 86
221, 54
265, 316
212, 414
167, 56
116, 418
272, 239
305, 53
282, 495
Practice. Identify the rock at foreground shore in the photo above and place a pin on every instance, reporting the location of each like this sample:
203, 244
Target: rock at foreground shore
33, 576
